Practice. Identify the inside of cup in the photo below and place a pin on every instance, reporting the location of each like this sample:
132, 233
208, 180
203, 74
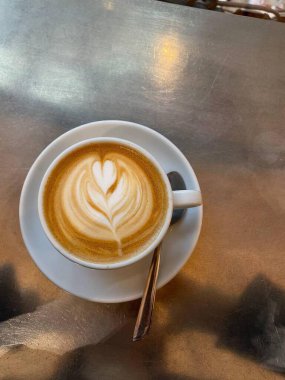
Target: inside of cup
124, 260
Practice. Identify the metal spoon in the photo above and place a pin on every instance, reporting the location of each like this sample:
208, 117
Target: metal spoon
147, 303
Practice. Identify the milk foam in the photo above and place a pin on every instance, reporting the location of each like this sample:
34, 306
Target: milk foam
107, 199
104, 202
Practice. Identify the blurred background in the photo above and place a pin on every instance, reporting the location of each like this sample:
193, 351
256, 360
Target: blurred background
264, 9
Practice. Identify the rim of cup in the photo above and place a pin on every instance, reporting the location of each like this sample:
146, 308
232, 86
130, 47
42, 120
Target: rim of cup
129, 260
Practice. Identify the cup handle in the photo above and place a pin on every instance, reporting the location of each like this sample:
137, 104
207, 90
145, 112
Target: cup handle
186, 198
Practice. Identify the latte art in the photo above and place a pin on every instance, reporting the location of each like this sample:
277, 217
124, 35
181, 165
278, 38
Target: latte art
105, 201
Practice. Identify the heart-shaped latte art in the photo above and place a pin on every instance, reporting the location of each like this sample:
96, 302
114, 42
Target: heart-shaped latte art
104, 202
108, 199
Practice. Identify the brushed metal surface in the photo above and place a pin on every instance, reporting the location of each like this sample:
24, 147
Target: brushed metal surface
213, 84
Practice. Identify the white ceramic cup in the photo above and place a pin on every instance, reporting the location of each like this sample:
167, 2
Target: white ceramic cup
176, 199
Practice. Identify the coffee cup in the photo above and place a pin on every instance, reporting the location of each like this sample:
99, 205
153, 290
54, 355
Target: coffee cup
69, 198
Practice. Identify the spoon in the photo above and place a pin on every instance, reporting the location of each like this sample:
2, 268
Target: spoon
143, 321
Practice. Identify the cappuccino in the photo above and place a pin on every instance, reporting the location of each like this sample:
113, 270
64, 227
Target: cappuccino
105, 202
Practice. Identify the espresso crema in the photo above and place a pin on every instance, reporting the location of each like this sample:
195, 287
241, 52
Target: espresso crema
104, 202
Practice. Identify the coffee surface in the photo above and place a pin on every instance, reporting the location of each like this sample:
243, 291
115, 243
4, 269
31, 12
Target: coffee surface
104, 202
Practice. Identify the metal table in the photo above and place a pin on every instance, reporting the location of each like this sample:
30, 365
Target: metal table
214, 85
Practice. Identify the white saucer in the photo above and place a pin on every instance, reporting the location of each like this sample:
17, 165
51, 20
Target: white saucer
122, 284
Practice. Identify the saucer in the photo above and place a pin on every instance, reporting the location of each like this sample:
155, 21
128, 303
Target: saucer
123, 284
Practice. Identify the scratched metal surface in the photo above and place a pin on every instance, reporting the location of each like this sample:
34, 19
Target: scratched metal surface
213, 84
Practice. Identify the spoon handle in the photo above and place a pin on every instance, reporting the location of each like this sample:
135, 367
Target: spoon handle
147, 303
